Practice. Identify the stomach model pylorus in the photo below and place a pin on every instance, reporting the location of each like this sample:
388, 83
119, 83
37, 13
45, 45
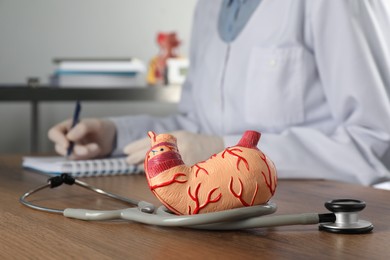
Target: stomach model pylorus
239, 176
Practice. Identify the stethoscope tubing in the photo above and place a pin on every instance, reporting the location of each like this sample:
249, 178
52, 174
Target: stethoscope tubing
162, 218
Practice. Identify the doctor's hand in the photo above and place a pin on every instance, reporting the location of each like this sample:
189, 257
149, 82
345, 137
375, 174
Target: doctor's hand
93, 138
193, 148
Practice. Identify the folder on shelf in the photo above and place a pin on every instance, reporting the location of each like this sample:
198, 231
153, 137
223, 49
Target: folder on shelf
99, 72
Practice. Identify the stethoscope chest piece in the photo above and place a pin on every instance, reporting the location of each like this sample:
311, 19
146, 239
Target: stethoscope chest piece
347, 220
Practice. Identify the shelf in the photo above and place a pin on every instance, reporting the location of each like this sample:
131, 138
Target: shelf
170, 94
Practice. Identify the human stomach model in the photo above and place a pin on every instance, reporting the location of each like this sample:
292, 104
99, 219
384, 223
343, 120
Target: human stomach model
239, 176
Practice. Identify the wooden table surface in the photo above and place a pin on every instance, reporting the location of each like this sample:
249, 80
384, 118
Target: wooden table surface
29, 234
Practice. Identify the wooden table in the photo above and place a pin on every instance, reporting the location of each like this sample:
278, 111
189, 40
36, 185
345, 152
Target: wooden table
26, 233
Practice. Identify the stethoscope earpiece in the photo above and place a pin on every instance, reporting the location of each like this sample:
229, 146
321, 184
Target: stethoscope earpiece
347, 220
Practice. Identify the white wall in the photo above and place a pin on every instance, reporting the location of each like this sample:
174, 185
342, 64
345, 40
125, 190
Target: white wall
32, 33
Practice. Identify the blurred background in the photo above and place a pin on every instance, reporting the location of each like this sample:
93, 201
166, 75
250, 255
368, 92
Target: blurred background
33, 33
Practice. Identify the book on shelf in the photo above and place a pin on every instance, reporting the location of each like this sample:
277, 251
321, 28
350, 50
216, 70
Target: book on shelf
56, 165
98, 72
80, 65
98, 81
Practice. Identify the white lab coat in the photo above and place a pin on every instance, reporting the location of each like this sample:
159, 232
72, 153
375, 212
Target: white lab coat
312, 76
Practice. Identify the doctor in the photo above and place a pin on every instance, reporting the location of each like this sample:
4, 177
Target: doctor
312, 76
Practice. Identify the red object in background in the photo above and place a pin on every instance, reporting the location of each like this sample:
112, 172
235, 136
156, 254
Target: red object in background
168, 44
168, 41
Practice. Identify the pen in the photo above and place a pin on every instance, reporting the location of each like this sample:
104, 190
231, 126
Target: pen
76, 116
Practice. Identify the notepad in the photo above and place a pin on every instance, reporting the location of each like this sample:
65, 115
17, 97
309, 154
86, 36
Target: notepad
55, 165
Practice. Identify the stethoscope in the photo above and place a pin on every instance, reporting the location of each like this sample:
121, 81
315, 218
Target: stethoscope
342, 219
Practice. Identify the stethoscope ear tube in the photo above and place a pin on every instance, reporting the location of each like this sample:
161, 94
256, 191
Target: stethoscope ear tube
65, 178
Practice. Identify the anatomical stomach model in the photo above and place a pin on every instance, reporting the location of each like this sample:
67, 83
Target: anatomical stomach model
239, 176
